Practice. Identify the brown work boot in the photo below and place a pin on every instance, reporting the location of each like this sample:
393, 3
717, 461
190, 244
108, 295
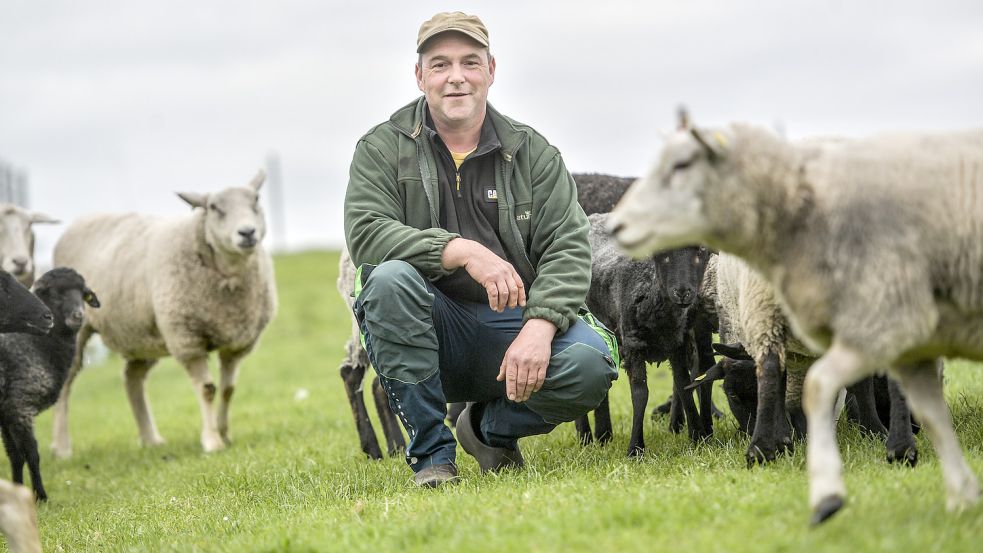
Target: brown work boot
436, 475
489, 458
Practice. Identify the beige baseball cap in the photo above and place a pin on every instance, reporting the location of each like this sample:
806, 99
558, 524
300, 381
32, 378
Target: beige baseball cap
452, 21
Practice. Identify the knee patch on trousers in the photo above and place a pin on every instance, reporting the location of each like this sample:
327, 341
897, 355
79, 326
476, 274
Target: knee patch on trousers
581, 376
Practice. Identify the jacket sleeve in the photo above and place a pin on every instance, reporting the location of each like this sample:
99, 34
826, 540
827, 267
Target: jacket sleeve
374, 227
558, 246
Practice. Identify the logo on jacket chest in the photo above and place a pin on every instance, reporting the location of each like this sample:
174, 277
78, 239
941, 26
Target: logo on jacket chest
524, 216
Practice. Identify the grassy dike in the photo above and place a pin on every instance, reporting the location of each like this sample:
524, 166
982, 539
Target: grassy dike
295, 480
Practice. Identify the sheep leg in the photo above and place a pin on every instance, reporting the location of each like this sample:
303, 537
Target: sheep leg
197, 368
866, 409
676, 419
682, 361
764, 442
353, 378
228, 376
21, 432
900, 445
793, 402
14, 454
18, 518
839, 367
602, 421
61, 440
135, 374
395, 443
922, 386
638, 379
705, 360
582, 424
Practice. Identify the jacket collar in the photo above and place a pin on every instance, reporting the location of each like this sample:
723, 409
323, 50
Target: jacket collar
410, 119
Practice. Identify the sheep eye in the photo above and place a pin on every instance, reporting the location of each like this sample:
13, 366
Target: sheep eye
215, 208
682, 165
665, 259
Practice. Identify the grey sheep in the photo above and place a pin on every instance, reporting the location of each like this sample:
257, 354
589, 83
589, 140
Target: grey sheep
33, 368
182, 287
598, 193
813, 221
17, 241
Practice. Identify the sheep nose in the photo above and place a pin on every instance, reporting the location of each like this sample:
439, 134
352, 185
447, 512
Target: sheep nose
20, 263
247, 232
682, 296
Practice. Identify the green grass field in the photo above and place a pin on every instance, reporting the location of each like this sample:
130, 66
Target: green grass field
295, 480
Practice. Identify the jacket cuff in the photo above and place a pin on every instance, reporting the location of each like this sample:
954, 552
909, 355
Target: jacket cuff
561, 321
436, 255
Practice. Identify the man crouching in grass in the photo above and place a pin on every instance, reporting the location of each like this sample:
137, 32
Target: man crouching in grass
473, 266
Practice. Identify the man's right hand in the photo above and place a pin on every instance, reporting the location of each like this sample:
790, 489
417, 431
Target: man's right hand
498, 277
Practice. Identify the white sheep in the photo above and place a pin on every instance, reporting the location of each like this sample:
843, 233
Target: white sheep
182, 287
17, 241
874, 247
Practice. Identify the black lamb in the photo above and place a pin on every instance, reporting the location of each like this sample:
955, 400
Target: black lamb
653, 308
33, 369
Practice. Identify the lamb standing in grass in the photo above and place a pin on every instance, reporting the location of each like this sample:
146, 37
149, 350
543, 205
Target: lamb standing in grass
652, 306
34, 367
353, 369
20, 311
814, 221
17, 241
182, 287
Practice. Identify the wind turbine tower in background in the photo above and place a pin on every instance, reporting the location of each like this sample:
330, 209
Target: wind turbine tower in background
276, 213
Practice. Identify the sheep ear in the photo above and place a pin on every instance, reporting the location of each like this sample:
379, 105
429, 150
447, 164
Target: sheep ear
193, 198
734, 351
38, 217
716, 145
716, 372
258, 180
89, 297
682, 118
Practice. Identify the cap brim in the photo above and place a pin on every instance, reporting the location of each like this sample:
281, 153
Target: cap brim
477, 38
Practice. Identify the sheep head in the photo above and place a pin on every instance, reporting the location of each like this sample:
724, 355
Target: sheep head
234, 221
17, 241
667, 208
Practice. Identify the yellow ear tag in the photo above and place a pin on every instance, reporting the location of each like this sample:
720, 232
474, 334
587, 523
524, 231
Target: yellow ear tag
700, 378
87, 298
721, 139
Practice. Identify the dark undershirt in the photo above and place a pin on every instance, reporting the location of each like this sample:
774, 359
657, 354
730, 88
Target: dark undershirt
472, 209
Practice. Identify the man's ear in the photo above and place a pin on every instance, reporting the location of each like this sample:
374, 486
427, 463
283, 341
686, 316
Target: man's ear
419, 74
491, 68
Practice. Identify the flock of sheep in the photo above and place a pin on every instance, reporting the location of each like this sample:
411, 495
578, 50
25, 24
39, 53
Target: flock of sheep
183, 287
837, 260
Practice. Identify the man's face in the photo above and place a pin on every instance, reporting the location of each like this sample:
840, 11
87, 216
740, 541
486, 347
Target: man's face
454, 75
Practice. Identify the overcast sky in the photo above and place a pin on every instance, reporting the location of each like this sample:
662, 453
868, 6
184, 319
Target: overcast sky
115, 105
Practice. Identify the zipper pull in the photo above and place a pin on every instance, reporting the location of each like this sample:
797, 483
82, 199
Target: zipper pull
458, 174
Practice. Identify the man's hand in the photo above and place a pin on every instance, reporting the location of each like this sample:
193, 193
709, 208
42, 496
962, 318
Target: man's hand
499, 278
524, 366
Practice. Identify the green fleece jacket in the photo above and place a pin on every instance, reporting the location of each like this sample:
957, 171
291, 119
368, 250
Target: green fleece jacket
391, 209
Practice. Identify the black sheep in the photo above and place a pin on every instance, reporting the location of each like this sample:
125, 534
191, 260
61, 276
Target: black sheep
20, 310
597, 193
33, 369
652, 306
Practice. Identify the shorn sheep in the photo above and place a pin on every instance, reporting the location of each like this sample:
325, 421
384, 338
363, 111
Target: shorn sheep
874, 246
33, 369
183, 287
353, 369
652, 306
17, 241
20, 311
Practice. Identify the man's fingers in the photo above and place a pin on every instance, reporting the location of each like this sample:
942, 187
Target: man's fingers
520, 383
540, 379
501, 369
492, 289
522, 294
510, 381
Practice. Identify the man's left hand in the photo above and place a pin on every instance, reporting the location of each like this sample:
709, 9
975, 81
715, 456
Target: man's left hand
524, 366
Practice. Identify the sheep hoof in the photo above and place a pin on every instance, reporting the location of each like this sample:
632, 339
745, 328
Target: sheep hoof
212, 443
59, 452
760, 455
904, 455
826, 508
636, 451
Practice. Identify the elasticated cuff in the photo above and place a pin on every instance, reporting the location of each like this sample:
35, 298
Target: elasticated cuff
435, 268
561, 321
